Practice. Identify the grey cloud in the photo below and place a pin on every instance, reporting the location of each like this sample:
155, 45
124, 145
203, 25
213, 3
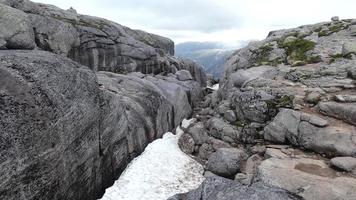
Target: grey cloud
195, 15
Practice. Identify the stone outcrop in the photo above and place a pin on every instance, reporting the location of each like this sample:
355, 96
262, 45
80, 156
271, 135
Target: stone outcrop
289, 102
69, 122
100, 44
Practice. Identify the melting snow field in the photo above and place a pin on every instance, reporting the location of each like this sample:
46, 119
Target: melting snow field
214, 87
160, 172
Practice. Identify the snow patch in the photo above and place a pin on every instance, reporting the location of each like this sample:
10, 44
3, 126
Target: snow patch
160, 172
214, 87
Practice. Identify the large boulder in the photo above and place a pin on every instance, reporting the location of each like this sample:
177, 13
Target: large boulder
347, 164
50, 120
75, 131
226, 161
16, 31
218, 188
311, 132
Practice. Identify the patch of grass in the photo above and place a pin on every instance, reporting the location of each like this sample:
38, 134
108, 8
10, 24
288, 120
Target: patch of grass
240, 124
262, 56
339, 56
284, 101
333, 28
297, 49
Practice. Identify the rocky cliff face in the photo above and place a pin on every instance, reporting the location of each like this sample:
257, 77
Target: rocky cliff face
80, 97
285, 114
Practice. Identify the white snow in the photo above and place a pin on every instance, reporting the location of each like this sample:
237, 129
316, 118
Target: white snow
160, 172
214, 87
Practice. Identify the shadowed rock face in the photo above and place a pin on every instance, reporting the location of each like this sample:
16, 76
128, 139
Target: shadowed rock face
67, 132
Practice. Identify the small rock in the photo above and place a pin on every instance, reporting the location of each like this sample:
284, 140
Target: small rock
275, 153
208, 174
186, 143
258, 149
315, 120
240, 176
345, 98
205, 151
352, 30
298, 63
184, 75
335, 19
230, 116
198, 132
226, 161
313, 97
218, 144
345, 163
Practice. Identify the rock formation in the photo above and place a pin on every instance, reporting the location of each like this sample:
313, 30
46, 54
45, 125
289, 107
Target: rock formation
289, 103
80, 97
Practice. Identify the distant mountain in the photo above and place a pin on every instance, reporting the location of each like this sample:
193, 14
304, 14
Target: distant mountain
211, 55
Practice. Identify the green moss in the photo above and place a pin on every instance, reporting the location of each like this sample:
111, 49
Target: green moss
339, 56
281, 102
262, 54
240, 124
297, 49
333, 28
318, 29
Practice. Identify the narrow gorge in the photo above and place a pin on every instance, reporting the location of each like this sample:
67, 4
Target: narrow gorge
91, 109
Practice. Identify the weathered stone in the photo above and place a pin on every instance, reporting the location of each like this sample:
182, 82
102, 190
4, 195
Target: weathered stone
198, 132
186, 143
307, 178
346, 112
345, 163
205, 151
313, 97
16, 31
218, 188
226, 161
335, 19
309, 131
345, 98
275, 153
230, 116
184, 75
348, 48
220, 129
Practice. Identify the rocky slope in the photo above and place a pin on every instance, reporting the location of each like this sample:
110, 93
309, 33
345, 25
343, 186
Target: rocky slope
284, 115
80, 97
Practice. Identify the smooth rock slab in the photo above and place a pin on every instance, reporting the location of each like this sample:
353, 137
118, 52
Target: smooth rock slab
345, 163
310, 179
343, 111
218, 188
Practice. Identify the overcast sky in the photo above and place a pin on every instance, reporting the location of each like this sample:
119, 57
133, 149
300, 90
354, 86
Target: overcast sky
227, 21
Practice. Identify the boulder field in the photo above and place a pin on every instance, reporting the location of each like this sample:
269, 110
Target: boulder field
80, 97
284, 117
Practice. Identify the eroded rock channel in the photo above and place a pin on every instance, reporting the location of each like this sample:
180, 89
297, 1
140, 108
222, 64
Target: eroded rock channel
81, 97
